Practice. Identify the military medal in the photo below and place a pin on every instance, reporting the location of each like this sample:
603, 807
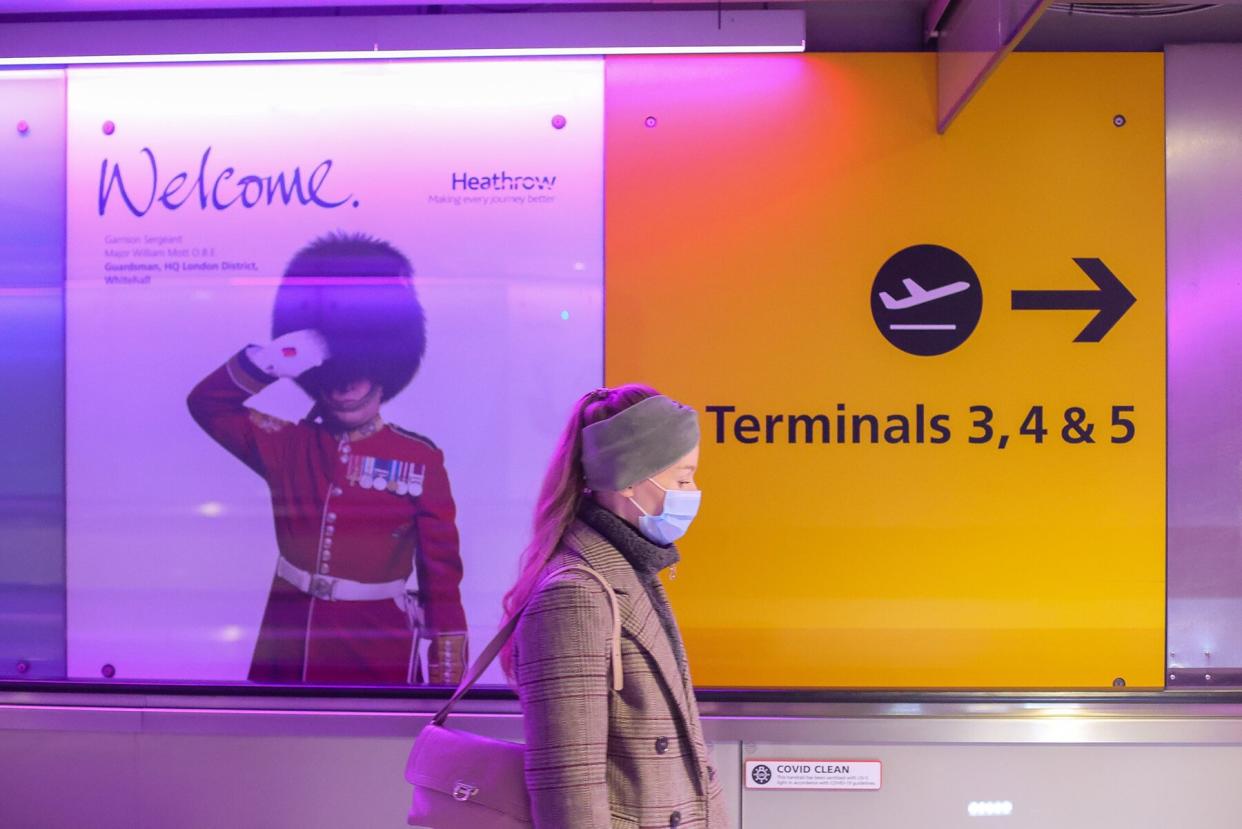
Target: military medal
403, 469
368, 472
380, 474
414, 479
393, 466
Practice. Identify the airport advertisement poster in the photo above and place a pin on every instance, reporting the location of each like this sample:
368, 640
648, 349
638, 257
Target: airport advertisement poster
324, 323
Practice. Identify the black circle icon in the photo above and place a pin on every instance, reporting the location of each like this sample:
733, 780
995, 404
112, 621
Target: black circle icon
761, 774
926, 300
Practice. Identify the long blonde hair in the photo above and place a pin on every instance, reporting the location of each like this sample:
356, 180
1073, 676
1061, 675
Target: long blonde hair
564, 485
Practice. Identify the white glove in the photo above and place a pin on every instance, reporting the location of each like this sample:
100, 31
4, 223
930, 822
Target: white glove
289, 355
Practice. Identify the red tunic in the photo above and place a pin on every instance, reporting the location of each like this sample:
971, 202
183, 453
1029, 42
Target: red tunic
329, 525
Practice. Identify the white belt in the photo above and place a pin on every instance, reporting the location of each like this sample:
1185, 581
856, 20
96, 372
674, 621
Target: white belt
334, 589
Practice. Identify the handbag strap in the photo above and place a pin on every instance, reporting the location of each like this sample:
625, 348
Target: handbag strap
493, 647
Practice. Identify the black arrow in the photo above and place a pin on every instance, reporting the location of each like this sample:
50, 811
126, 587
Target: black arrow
1112, 300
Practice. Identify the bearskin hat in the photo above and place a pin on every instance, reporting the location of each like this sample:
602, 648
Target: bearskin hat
358, 292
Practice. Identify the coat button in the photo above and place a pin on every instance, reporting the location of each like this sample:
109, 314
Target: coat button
661, 745
331, 517
674, 820
323, 568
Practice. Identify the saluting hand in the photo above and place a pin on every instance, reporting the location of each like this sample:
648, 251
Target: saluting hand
289, 355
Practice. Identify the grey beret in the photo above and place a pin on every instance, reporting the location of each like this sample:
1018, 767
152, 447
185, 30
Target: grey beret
638, 442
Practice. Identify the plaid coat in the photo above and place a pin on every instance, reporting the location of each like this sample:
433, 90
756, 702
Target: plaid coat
598, 758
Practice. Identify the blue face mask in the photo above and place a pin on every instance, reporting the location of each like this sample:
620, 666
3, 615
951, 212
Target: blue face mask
680, 507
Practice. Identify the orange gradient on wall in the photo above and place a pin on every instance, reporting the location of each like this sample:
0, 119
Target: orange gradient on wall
750, 203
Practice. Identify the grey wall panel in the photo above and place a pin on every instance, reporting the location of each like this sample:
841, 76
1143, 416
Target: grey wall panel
1204, 187
727, 758
264, 782
32, 374
52, 779
931, 787
1137, 761
174, 772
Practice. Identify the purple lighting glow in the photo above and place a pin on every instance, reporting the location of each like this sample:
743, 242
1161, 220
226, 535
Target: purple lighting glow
396, 54
366, 38
401, 37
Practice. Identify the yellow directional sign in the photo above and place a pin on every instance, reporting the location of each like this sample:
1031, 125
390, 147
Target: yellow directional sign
931, 368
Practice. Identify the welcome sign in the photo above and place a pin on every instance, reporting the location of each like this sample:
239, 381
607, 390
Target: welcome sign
247, 191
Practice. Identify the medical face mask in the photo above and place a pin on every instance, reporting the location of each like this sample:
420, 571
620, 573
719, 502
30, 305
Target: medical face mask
680, 507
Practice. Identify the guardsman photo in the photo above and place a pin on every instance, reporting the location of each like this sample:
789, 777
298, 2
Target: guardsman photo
369, 558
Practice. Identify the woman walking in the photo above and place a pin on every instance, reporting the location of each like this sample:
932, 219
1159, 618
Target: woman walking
609, 750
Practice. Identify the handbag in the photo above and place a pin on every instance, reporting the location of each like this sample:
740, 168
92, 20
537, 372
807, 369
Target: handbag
467, 780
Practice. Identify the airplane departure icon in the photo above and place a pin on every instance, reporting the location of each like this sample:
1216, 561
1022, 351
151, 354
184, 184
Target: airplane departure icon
919, 295
906, 311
